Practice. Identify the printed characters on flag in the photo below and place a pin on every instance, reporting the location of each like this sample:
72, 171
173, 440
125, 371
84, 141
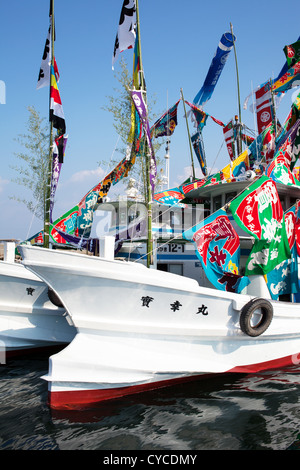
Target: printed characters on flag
126, 34
218, 249
56, 109
230, 139
258, 211
137, 96
215, 69
59, 147
280, 168
264, 109
283, 279
166, 124
44, 73
292, 53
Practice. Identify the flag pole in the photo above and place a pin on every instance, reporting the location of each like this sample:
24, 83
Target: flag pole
239, 122
50, 158
189, 136
142, 87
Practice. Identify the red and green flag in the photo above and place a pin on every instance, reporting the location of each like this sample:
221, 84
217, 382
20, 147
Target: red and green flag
258, 211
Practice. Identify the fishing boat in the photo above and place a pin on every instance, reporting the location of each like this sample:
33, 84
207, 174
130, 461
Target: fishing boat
31, 318
139, 328
30, 321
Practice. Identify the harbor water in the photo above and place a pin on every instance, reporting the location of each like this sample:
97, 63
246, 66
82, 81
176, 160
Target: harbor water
233, 412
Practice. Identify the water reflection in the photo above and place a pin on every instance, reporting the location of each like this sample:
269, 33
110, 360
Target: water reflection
254, 411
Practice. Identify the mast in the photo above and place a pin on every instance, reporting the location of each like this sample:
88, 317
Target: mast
238, 124
49, 172
274, 108
189, 136
142, 87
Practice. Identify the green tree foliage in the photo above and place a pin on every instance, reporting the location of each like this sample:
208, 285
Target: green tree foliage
32, 172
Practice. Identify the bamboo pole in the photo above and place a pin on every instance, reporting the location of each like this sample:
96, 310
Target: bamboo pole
147, 152
239, 124
50, 158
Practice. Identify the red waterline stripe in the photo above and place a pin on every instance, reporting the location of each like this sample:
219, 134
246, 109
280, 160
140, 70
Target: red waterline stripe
72, 400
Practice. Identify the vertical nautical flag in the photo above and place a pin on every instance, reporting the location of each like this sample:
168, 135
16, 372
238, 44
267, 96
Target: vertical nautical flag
258, 211
56, 110
44, 73
264, 109
197, 144
218, 249
283, 279
57, 160
229, 139
126, 34
166, 124
137, 96
136, 63
215, 69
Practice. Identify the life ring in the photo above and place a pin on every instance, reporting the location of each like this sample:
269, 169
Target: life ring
247, 315
54, 298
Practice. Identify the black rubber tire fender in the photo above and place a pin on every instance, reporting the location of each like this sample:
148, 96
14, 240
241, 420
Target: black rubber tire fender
54, 298
247, 312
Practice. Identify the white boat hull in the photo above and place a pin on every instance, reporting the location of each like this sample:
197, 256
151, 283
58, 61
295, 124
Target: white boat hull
29, 321
139, 329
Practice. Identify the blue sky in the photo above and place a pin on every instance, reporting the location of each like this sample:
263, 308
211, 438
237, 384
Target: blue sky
179, 40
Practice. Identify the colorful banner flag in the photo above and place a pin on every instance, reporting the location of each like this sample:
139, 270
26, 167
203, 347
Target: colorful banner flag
56, 111
280, 169
215, 70
230, 139
263, 147
236, 169
198, 147
166, 124
284, 278
264, 108
292, 53
218, 248
199, 116
287, 81
247, 139
137, 96
126, 34
59, 145
170, 197
258, 211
